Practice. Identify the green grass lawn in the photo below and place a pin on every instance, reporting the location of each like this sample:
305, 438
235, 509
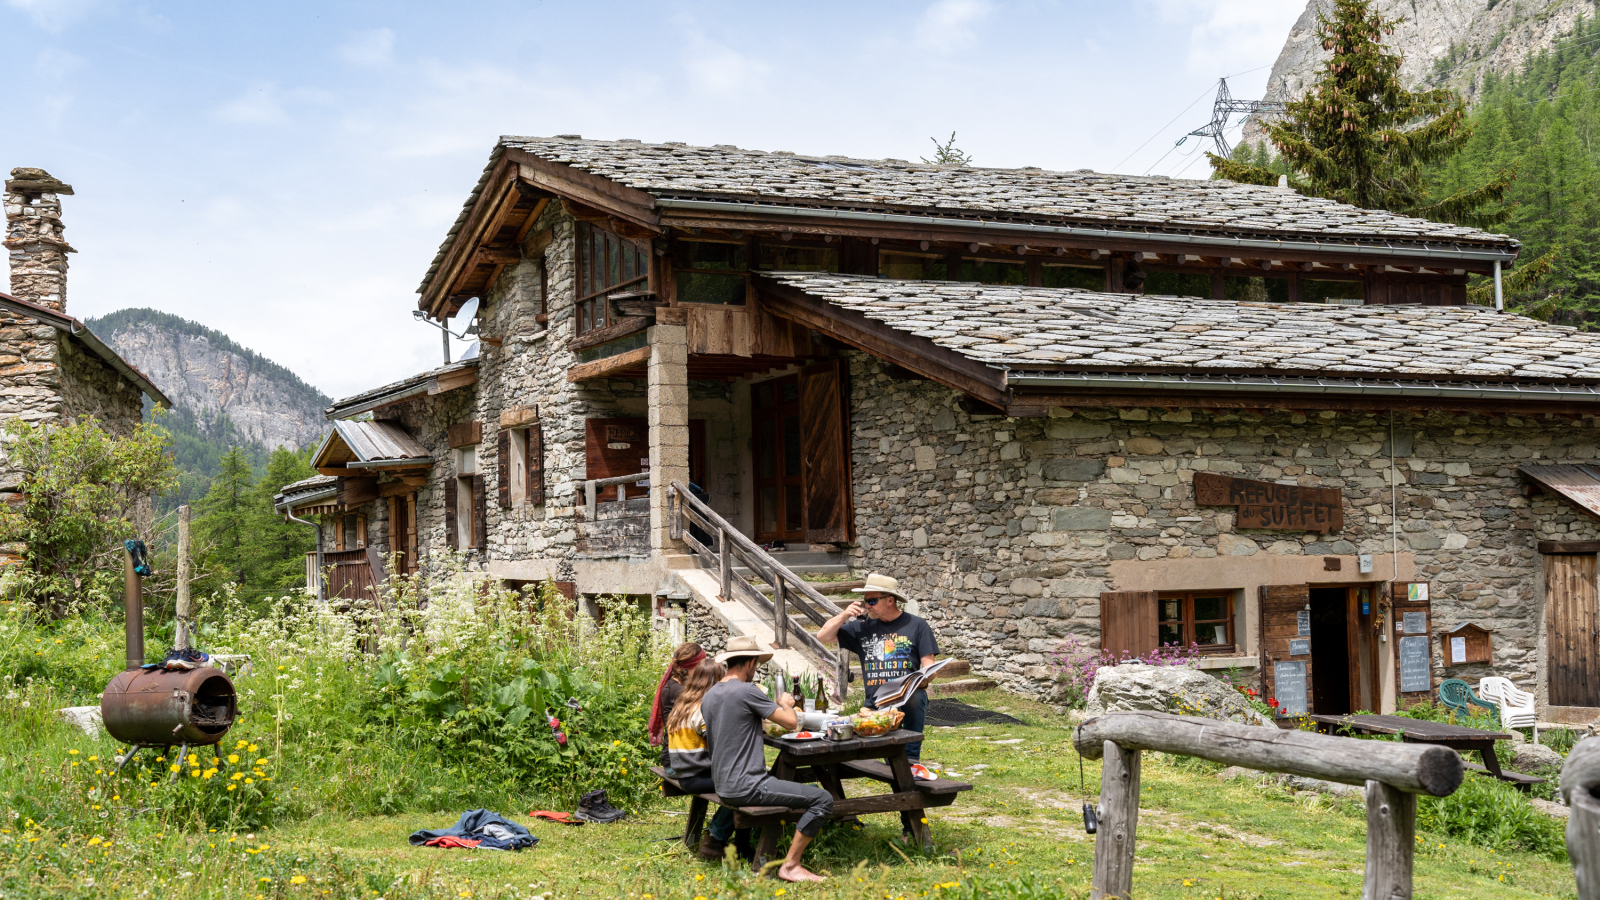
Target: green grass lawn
1199, 837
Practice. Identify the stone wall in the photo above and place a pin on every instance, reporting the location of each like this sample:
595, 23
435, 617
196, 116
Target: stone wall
91, 388
1009, 529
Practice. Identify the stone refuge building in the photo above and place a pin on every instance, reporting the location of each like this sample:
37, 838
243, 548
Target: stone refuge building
52, 368
1140, 411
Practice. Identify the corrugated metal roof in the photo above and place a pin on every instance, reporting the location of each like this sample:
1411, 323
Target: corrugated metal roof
314, 488
369, 442
1580, 484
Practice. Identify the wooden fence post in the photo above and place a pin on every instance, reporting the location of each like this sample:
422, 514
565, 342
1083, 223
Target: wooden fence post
1119, 822
1391, 831
1579, 775
724, 564
181, 639
780, 612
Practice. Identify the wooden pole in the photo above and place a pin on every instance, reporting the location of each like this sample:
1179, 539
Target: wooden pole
780, 613
181, 637
1391, 831
1579, 776
724, 565
1414, 768
1119, 821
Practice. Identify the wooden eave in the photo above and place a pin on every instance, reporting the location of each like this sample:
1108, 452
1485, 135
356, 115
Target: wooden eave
916, 354
822, 225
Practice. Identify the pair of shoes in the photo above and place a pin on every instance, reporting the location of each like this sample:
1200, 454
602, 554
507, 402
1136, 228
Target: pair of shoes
711, 849
594, 807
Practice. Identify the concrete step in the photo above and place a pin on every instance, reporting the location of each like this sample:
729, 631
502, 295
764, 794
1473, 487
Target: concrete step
960, 686
956, 668
825, 588
804, 570
807, 562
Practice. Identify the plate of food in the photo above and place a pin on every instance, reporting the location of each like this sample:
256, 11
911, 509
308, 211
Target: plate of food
803, 736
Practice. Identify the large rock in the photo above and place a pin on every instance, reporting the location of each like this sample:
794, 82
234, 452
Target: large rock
85, 718
1172, 689
1527, 757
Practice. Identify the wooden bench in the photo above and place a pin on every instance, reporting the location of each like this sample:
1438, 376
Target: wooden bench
1516, 778
928, 795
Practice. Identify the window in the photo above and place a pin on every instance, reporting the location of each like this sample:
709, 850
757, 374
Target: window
797, 258
606, 263
1178, 284
1202, 618
1255, 289
1348, 293
710, 272
1087, 278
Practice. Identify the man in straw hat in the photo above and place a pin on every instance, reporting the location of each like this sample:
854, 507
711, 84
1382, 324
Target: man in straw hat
890, 641
734, 710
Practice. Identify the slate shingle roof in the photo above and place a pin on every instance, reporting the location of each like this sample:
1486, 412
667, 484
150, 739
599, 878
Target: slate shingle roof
1057, 328
1029, 195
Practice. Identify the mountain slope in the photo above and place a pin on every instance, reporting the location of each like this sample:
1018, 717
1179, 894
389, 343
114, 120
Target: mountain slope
1445, 43
228, 392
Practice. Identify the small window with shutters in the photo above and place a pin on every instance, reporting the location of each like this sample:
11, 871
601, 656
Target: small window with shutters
1199, 619
521, 467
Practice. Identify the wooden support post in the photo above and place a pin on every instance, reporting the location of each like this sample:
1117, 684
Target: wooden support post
724, 564
1579, 775
1119, 821
589, 491
1391, 831
780, 612
181, 637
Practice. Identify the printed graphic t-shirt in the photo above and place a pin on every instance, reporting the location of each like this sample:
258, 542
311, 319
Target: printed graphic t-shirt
888, 650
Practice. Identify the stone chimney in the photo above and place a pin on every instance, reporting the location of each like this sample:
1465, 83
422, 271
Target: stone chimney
33, 237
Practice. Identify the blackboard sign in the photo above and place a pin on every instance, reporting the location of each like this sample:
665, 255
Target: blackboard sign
1289, 686
1300, 648
1302, 621
1414, 623
1415, 664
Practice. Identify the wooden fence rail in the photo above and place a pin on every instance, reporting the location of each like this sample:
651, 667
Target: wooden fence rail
1391, 773
1580, 787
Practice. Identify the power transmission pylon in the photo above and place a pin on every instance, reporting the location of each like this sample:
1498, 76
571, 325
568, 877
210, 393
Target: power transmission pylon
1224, 108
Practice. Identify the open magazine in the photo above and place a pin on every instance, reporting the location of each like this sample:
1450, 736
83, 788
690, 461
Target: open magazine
892, 694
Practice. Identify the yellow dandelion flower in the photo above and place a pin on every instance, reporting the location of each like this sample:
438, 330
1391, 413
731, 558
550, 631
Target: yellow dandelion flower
174, 767
232, 787
298, 879
252, 748
95, 842
233, 757
72, 752
236, 776
249, 781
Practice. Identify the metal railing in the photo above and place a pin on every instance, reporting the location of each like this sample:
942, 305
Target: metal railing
789, 591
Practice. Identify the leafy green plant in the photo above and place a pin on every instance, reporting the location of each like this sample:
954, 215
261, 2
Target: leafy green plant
1492, 814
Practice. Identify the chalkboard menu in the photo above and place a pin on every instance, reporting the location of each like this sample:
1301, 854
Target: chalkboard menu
1289, 686
1414, 623
1415, 665
1300, 647
1302, 622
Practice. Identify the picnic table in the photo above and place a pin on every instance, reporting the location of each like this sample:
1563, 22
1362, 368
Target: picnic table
1421, 731
830, 764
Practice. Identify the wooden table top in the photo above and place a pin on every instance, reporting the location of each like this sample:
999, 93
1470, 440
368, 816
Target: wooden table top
1416, 730
862, 745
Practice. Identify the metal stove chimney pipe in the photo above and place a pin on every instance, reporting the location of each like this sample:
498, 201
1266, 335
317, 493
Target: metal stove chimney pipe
133, 603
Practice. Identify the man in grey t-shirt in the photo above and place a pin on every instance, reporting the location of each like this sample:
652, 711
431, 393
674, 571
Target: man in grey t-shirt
734, 710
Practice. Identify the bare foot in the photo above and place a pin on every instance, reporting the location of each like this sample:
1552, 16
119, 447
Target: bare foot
796, 872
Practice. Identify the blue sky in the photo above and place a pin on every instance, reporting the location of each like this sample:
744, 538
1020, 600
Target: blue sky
284, 172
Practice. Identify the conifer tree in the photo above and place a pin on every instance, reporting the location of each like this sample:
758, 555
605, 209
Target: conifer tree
224, 524
1360, 137
278, 546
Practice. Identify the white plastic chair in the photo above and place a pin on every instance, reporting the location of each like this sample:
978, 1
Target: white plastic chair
1516, 706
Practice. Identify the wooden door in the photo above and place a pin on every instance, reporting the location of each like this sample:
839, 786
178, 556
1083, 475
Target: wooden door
779, 459
613, 448
1571, 618
350, 574
829, 512
1412, 603
1128, 624
1285, 621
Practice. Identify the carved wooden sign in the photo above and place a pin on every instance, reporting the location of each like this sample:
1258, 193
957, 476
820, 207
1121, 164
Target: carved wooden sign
1269, 505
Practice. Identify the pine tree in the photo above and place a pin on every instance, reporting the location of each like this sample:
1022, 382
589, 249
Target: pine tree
224, 522
278, 546
1360, 137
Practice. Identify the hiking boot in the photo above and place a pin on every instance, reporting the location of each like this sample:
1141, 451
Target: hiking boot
594, 807
711, 849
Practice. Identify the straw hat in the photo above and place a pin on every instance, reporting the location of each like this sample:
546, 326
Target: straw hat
880, 584
742, 647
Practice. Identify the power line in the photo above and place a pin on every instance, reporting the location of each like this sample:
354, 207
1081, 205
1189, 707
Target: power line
1163, 128
1223, 108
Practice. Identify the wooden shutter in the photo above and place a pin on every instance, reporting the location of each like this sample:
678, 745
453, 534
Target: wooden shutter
452, 528
503, 467
1401, 602
535, 433
1128, 623
1282, 606
1570, 616
480, 513
829, 512
615, 447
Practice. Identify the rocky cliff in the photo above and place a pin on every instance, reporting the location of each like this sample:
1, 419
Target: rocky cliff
1445, 43
213, 379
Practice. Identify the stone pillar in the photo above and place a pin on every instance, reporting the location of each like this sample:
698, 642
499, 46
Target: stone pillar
668, 401
33, 237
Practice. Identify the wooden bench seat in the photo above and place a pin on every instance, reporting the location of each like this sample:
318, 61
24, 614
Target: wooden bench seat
878, 771
1516, 778
929, 795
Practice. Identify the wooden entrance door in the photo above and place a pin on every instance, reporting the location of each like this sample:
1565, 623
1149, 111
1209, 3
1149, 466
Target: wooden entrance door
1571, 618
780, 484
802, 456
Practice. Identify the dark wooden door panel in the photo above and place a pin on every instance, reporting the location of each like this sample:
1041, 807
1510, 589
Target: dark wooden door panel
826, 452
1571, 617
1281, 605
1128, 625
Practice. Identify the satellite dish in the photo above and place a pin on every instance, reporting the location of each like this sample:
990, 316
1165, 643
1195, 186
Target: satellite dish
469, 314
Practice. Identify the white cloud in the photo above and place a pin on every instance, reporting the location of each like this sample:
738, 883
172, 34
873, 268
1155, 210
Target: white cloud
53, 15
369, 49
719, 69
949, 24
55, 64
1227, 36
258, 105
